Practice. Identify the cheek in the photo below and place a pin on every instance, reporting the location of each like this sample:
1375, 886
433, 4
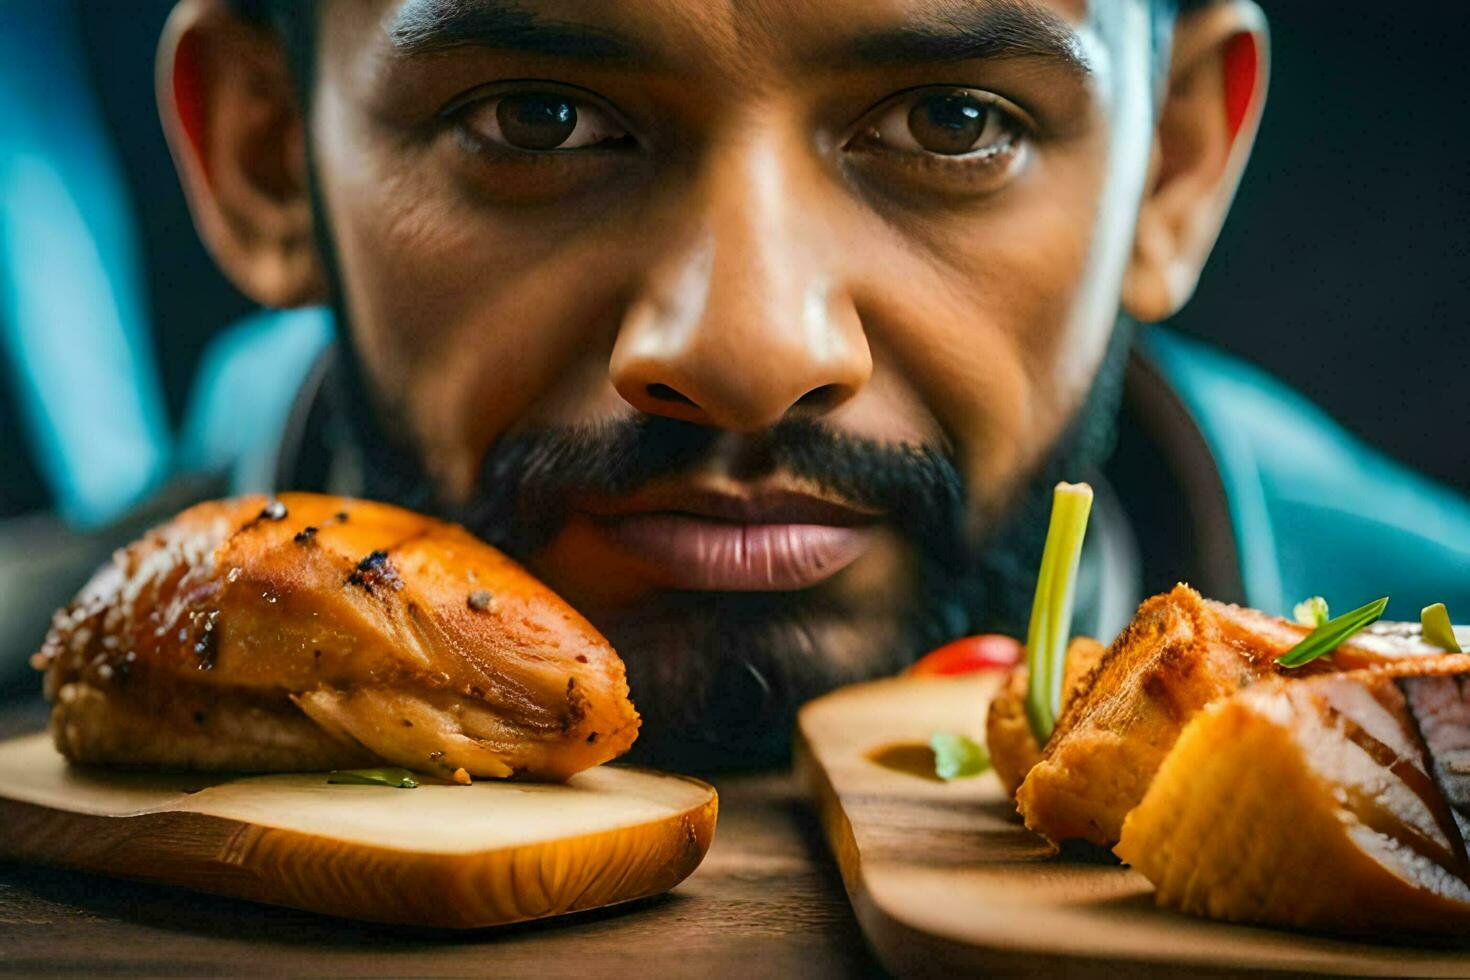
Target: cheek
464, 318
980, 311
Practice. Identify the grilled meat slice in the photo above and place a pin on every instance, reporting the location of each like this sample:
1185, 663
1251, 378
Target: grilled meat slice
1317, 803
1441, 707
313, 632
1180, 653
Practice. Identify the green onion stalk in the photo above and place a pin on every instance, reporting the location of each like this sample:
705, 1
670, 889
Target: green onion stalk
1051, 611
1332, 634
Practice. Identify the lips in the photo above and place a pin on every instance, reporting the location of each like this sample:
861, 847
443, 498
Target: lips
699, 540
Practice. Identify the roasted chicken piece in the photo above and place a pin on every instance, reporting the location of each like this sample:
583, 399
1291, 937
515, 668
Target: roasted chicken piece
313, 632
1180, 653
1012, 747
1337, 801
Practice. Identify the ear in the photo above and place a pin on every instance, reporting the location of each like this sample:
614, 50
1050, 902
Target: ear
1207, 126
235, 126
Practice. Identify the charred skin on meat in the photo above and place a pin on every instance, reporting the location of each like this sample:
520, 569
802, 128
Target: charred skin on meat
316, 632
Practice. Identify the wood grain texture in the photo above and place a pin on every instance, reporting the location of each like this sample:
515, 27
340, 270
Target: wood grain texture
766, 902
944, 879
439, 855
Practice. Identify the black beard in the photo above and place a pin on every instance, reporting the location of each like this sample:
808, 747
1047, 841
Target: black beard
718, 677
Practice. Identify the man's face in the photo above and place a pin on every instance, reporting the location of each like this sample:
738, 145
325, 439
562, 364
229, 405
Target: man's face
881, 237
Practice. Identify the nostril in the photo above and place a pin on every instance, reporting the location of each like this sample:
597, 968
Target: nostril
822, 399
663, 393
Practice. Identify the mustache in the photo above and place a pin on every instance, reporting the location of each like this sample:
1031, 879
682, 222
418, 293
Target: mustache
528, 479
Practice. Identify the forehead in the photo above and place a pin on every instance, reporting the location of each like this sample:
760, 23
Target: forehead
697, 36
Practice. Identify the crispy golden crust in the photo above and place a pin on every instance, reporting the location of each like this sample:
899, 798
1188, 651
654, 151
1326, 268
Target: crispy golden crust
1013, 749
1314, 803
316, 631
1180, 653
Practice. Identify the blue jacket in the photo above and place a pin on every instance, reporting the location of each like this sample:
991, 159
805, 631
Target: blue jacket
1311, 509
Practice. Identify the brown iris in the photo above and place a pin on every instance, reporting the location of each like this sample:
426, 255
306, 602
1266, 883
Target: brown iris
536, 120
949, 123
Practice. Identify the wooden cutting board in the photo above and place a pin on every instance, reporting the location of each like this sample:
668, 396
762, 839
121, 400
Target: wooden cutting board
944, 879
438, 855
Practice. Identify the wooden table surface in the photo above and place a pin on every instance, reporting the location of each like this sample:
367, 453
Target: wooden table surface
767, 902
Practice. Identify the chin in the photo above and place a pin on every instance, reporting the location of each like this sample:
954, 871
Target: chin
718, 677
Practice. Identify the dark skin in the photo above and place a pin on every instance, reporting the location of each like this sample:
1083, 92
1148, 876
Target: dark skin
909, 222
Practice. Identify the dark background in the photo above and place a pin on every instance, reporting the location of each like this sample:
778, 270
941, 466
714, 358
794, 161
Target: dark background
1344, 268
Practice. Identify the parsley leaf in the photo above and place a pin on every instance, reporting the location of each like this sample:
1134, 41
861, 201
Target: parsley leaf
388, 776
957, 756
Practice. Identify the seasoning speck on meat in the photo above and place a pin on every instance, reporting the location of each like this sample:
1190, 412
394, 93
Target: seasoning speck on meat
205, 645
206, 649
480, 600
375, 570
221, 612
305, 535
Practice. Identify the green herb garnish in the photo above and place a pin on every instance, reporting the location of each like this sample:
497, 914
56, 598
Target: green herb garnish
957, 756
1332, 634
388, 776
1437, 630
1051, 611
1311, 612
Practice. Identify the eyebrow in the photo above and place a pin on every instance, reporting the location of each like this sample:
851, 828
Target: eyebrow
965, 30
947, 31
422, 27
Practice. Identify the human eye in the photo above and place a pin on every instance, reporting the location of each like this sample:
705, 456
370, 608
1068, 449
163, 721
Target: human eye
946, 140
950, 122
539, 120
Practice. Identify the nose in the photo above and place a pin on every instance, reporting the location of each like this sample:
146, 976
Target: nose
748, 320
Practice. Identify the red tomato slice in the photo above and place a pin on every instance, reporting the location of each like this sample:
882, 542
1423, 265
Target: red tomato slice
988, 651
